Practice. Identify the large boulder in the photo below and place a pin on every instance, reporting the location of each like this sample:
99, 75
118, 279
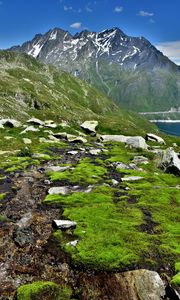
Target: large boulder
35, 121
170, 162
9, 123
133, 141
154, 138
90, 126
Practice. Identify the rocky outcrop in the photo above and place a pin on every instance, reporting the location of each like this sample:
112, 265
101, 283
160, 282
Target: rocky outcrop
90, 126
170, 162
132, 285
134, 141
9, 123
154, 138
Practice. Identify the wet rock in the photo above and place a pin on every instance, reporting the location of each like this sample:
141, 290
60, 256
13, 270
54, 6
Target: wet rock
64, 224
90, 126
27, 141
154, 138
23, 237
30, 128
62, 190
170, 162
132, 178
35, 121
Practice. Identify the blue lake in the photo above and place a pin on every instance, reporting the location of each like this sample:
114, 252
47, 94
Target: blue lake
169, 128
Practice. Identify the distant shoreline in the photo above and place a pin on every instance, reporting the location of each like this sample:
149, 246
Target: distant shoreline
164, 121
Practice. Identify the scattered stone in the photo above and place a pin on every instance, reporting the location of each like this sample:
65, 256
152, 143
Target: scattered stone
25, 220
60, 135
30, 128
120, 165
170, 162
73, 243
132, 178
64, 124
140, 160
8, 138
137, 142
57, 168
43, 140
23, 237
90, 126
154, 138
114, 182
73, 138
10, 123
50, 124
62, 190
53, 138
64, 224
27, 141
35, 121
72, 152
95, 151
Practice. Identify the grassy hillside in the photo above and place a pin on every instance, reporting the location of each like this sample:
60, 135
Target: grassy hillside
28, 87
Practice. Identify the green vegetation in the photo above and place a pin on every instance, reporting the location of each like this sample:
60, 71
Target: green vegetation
43, 290
85, 173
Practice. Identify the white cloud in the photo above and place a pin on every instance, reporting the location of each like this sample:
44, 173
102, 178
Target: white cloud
66, 8
118, 9
76, 25
143, 13
88, 9
170, 49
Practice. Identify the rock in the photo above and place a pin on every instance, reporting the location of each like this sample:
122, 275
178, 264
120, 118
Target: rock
137, 142
170, 162
50, 124
140, 160
172, 293
64, 224
9, 123
113, 138
30, 128
132, 178
95, 151
73, 243
23, 237
53, 138
62, 190
35, 121
154, 138
27, 141
90, 126
57, 168
43, 140
64, 124
134, 141
121, 165
72, 152
114, 182
60, 135
8, 138
73, 138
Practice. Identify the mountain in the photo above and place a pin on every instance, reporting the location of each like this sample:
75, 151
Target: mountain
29, 87
130, 70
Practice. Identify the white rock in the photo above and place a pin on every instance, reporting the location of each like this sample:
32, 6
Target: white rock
10, 123
8, 138
73, 243
140, 160
50, 124
114, 182
64, 224
73, 138
95, 151
113, 138
27, 141
90, 126
30, 128
57, 168
171, 162
132, 178
137, 142
60, 135
62, 190
155, 138
35, 121
72, 152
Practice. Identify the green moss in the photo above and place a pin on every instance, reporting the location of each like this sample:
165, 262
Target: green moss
2, 196
176, 280
3, 218
84, 173
43, 290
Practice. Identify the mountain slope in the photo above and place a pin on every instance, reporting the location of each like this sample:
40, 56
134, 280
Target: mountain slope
128, 69
28, 87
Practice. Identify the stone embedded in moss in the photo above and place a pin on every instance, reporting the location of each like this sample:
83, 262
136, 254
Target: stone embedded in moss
43, 290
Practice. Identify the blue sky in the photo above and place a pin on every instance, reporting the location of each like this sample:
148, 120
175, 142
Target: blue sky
157, 20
